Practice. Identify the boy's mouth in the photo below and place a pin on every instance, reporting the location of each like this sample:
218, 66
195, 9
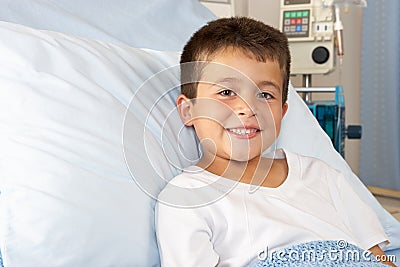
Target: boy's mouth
244, 132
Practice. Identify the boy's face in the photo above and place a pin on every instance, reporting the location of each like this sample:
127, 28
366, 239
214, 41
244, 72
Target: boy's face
238, 109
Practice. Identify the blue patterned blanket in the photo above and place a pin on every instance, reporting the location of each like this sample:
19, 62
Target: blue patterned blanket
319, 253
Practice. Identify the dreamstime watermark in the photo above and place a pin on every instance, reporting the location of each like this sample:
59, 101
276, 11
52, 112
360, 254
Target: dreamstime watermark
339, 251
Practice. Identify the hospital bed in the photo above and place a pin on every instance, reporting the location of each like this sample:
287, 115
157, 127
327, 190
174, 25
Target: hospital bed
89, 134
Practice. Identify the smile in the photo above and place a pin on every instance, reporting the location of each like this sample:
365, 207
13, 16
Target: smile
244, 133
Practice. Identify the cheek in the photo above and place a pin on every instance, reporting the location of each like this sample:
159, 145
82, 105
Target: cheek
271, 120
208, 128
277, 121
211, 134
211, 108
212, 112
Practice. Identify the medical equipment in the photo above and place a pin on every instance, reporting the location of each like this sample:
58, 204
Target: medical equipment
315, 30
331, 116
315, 33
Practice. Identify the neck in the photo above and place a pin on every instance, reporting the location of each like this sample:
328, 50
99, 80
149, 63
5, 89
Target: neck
253, 171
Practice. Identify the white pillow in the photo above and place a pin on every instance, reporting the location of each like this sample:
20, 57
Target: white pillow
67, 196
156, 24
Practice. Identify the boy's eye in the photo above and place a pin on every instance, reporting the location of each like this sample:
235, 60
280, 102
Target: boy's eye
227, 92
264, 95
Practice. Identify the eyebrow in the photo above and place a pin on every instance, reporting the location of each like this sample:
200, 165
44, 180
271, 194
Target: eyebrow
259, 85
268, 83
223, 82
227, 80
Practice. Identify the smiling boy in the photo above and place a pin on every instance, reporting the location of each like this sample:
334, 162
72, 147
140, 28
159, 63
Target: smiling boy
234, 75
238, 113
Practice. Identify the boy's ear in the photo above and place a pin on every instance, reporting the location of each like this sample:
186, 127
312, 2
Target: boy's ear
184, 106
284, 109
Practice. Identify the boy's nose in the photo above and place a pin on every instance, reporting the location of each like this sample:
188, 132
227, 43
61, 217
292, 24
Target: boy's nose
244, 107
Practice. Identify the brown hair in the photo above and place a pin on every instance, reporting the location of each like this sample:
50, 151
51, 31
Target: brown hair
260, 40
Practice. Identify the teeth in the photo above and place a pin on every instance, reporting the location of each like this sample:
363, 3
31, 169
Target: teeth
243, 131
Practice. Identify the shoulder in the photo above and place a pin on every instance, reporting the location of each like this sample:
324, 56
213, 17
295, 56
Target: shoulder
317, 177
310, 164
312, 172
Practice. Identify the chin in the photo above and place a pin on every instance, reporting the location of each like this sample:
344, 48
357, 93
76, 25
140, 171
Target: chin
244, 157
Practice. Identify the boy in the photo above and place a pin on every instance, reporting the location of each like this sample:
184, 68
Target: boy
235, 203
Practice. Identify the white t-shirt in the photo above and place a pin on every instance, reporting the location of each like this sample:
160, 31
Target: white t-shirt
206, 220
